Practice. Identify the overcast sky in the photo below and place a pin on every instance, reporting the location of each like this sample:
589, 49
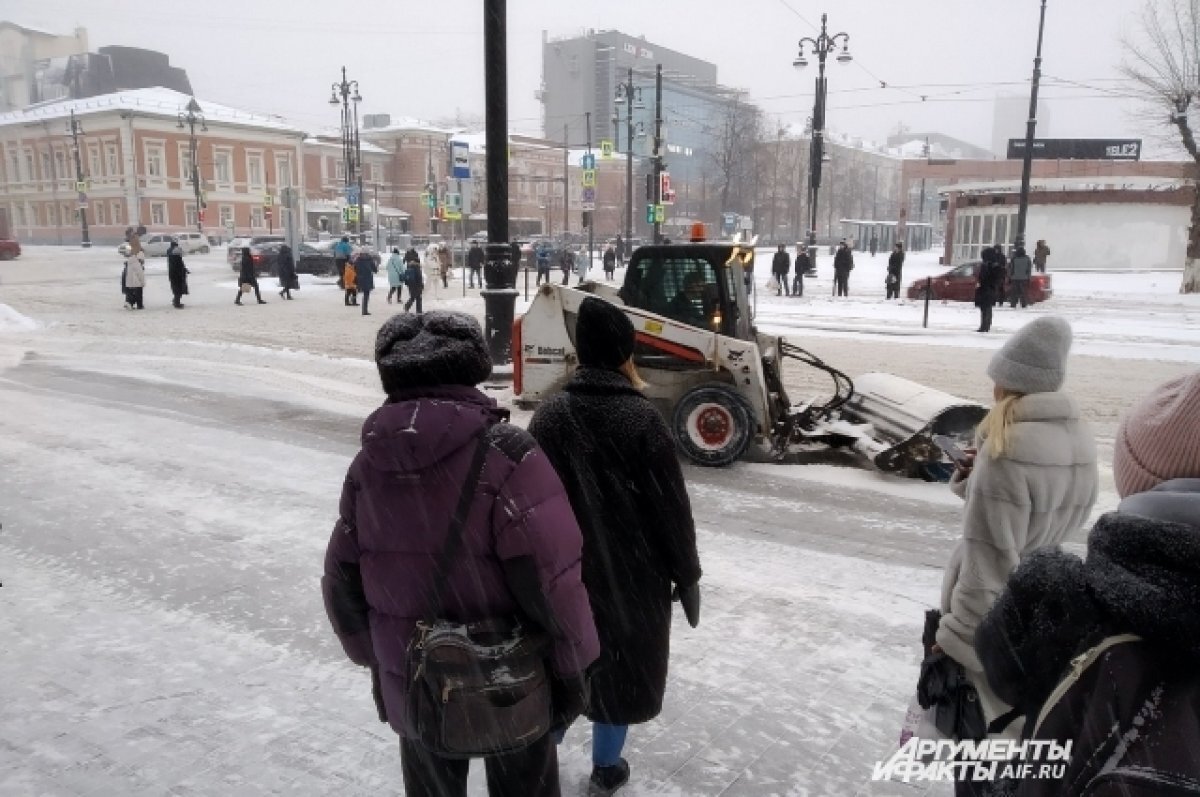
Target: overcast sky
425, 59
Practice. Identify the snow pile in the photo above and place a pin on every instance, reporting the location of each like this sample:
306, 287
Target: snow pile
12, 321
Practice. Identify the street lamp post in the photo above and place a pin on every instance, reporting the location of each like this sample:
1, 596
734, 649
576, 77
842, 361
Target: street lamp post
346, 95
189, 120
500, 270
74, 128
821, 47
1030, 129
632, 97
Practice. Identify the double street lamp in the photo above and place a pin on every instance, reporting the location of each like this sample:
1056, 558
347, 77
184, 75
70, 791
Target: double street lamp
76, 130
632, 97
346, 95
189, 121
821, 47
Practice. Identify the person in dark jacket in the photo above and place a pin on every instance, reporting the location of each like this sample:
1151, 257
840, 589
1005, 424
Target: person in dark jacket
1040, 252
411, 256
610, 262
895, 271
414, 278
342, 252
542, 256
1019, 272
781, 264
989, 288
621, 253
475, 264
803, 267
365, 269
843, 264
285, 269
521, 544
1104, 653
617, 460
248, 276
566, 262
176, 274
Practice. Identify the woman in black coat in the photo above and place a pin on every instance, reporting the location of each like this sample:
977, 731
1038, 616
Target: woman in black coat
990, 287
177, 274
248, 276
285, 269
617, 459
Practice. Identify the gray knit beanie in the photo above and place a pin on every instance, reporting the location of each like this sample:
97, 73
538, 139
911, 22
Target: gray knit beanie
1034, 360
436, 348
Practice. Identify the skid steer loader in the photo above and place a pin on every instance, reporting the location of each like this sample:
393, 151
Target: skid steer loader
718, 381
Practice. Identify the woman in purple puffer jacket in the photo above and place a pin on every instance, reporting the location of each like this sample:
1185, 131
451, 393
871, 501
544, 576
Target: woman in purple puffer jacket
520, 552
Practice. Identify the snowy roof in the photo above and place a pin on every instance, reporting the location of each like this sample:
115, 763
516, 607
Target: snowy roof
1093, 183
157, 101
28, 29
407, 123
366, 145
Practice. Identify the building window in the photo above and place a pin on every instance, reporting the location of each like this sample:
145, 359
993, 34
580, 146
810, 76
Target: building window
51, 215
283, 169
115, 207
99, 212
189, 214
14, 161
226, 215
60, 164
69, 212
19, 214
185, 164
94, 160
158, 213
256, 217
112, 166
29, 171
339, 170
254, 169
45, 165
35, 216
376, 173
223, 168
155, 162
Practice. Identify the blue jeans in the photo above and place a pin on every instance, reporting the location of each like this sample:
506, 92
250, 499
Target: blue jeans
607, 743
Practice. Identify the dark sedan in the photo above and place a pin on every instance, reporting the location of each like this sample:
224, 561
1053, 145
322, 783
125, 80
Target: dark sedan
958, 285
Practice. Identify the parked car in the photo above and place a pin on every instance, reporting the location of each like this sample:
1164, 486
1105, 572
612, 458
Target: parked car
155, 244
958, 285
315, 257
9, 249
193, 242
259, 250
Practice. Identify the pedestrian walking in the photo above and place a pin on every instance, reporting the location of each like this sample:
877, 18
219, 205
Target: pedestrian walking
475, 264
248, 278
1103, 655
989, 288
617, 460
437, 455
895, 272
285, 269
1019, 272
1031, 484
395, 272
621, 250
542, 255
843, 264
445, 263
135, 279
414, 278
350, 283
610, 262
781, 264
365, 269
566, 262
803, 266
177, 274
1040, 253
411, 256
874, 245
342, 252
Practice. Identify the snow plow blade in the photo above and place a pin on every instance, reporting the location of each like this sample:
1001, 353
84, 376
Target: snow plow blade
904, 416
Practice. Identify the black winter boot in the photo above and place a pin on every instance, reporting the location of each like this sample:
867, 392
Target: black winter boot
607, 780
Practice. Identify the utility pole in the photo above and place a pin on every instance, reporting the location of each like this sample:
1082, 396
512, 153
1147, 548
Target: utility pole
587, 214
500, 272
566, 187
75, 130
344, 94
658, 161
431, 182
1030, 130
626, 93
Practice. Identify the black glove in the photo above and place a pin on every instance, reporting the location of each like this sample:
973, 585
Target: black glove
377, 693
689, 598
569, 696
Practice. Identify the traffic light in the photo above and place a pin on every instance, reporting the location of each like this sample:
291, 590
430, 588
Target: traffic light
587, 219
650, 213
649, 187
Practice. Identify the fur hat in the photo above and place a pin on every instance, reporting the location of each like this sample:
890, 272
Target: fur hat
435, 348
1159, 438
1034, 360
603, 334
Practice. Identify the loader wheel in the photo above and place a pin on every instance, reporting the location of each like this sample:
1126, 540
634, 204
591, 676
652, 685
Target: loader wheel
713, 425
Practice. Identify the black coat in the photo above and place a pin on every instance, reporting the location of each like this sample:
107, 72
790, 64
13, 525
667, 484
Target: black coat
610, 259
617, 459
896, 265
285, 268
177, 272
843, 261
411, 256
803, 264
249, 273
990, 288
475, 258
1134, 710
780, 264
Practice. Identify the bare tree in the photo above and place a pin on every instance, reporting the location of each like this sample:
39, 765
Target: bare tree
1167, 66
734, 159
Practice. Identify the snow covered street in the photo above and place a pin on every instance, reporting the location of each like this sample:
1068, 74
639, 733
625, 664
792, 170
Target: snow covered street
169, 479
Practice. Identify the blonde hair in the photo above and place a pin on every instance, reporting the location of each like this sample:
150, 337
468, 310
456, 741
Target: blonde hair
631, 373
996, 426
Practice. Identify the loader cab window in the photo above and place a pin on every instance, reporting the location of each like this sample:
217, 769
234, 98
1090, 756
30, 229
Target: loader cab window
679, 287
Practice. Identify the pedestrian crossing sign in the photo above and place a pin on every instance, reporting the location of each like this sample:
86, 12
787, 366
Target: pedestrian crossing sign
606, 149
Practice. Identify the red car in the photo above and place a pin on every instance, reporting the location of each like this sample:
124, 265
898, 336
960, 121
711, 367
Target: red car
958, 285
9, 249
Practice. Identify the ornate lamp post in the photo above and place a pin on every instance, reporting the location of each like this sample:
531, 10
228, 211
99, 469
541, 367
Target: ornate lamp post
632, 97
821, 47
189, 121
76, 130
346, 95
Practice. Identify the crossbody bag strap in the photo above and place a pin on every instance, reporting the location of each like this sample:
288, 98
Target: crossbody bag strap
454, 536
